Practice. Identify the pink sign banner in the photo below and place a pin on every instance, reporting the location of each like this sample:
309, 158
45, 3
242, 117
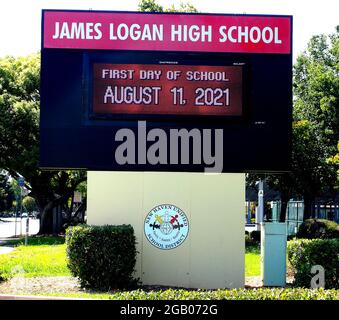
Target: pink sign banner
102, 30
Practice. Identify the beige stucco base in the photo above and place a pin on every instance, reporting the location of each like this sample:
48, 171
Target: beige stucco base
212, 256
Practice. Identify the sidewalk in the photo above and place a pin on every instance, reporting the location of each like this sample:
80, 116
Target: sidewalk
4, 250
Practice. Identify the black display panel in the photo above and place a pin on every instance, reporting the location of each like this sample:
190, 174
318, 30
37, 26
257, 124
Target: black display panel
75, 135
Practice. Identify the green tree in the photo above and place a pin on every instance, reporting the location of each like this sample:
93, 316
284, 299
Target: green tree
29, 204
316, 117
183, 7
334, 161
6, 193
152, 6
149, 6
19, 138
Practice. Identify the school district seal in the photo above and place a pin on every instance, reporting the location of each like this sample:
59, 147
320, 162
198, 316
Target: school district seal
166, 226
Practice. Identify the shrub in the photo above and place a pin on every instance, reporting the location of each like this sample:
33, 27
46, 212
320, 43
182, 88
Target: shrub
4, 277
233, 294
248, 240
102, 257
318, 229
304, 253
255, 236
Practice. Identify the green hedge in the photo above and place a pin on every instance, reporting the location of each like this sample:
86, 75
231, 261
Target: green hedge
318, 229
102, 257
234, 294
255, 235
221, 294
304, 253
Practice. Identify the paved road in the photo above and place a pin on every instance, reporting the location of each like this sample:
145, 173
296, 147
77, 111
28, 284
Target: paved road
7, 227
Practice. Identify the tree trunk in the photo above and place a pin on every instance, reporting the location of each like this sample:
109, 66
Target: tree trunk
308, 207
46, 219
283, 209
80, 212
284, 201
46, 214
47, 199
46, 223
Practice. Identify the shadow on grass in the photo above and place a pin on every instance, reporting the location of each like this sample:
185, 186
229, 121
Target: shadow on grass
36, 241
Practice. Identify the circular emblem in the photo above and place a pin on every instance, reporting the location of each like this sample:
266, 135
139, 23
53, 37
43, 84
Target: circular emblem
166, 226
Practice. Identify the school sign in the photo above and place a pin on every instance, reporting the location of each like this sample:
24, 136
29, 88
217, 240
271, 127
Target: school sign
130, 91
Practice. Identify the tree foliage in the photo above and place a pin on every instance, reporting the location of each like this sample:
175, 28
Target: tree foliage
316, 115
334, 161
149, 6
29, 204
6, 193
152, 6
19, 111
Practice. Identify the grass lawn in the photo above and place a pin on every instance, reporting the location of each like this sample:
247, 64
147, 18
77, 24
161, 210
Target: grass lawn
252, 261
45, 256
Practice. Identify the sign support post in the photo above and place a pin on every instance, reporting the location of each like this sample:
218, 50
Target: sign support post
21, 183
261, 203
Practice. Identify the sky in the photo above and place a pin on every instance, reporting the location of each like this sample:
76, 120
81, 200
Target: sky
20, 20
